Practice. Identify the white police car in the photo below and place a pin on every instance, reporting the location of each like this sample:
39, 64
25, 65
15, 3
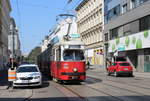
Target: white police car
28, 75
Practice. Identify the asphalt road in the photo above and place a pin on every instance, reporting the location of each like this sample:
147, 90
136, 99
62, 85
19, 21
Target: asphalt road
97, 87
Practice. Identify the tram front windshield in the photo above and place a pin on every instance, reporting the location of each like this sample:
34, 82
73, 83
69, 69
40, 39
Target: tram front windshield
73, 55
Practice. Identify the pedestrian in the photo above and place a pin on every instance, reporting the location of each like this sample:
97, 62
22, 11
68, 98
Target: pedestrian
88, 64
108, 63
12, 64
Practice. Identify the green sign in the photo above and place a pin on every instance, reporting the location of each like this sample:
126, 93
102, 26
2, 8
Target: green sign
74, 35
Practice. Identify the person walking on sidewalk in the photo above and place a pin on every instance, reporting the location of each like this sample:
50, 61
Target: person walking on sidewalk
12, 63
88, 64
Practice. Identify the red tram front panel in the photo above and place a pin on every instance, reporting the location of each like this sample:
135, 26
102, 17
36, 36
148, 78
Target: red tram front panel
68, 70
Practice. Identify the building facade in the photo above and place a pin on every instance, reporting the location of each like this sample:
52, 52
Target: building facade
44, 43
14, 41
127, 31
90, 27
5, 9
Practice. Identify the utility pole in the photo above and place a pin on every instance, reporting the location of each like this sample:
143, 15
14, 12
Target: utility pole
12, 51
13, 47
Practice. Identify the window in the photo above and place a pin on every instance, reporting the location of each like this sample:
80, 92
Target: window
142, 1
114, 12
134, 27
73, 55
58, 54
126, 29
145, 23
134, 3
106, 37
124, 8
124, 64
114, 33
27, 69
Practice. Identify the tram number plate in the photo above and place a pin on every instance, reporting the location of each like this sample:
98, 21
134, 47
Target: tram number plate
75, 77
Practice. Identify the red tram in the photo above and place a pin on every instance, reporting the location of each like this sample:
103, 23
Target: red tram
64, 58
64, 61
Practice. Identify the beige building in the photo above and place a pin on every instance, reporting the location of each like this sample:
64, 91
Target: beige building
90, 25
5, 9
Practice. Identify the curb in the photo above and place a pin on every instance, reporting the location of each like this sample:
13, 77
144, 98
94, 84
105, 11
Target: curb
4, 87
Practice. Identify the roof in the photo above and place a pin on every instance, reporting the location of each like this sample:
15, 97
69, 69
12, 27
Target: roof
81, 4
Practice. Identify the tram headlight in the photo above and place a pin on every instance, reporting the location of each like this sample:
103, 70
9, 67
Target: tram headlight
66, 46
75, 69
82, 47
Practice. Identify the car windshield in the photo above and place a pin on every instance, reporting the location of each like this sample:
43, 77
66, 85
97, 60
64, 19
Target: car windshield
27, 69
124, 64
73, 55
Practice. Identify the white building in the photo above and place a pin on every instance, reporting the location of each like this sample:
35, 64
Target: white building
90, 25
44, 43
5, 9
59, 31
13, 40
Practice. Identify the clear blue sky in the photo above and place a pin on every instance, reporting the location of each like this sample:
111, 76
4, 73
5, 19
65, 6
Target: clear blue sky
35, 18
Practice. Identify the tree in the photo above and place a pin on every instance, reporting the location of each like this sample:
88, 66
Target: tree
32, 57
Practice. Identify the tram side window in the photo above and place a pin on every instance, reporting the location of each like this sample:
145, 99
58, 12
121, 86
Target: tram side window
53, 54
58, 56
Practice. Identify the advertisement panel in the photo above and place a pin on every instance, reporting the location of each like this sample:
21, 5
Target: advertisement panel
131, 42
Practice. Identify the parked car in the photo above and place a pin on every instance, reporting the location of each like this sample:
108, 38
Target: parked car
28, 75
120, 68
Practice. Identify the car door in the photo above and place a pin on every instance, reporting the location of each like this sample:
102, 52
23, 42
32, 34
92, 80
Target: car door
110, 68
113, 68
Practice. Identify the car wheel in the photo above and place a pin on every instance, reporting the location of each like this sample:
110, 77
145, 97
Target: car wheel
115, 74
131, 75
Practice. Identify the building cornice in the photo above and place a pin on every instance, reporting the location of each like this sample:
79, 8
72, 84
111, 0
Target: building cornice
98, 26
89, 14
95, 45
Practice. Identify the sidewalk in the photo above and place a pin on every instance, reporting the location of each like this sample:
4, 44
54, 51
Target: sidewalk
15, 94
11, 94
3, 79
98, 68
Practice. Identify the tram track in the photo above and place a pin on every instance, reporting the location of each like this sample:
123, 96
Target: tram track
86, 99
65, 90
142, 95
121, 82
105, 92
